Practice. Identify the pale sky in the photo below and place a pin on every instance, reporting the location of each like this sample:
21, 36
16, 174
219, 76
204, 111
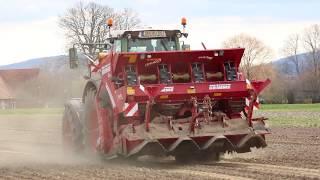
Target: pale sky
28, 28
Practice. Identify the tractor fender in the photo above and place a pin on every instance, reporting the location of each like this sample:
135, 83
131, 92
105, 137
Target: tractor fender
91, 84
103, 94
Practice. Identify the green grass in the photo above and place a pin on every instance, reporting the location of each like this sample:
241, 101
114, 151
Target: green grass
31, 111
292, 115
294, 122
290, 107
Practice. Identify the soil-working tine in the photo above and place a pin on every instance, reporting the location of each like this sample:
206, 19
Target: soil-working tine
148, 147
183, 144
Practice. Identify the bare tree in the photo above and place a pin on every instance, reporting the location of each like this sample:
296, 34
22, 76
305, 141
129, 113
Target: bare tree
292, 50
312, 44
86, 23
277, 91
127, 19
255, 51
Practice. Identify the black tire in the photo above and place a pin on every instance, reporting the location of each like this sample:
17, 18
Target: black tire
72, 130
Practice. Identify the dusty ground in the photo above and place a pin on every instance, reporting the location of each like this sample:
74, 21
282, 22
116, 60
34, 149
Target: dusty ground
30, 148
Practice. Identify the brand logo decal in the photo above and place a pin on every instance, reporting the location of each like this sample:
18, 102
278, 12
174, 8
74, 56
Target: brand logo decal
167, 89
205, 57
219, 86
152, 62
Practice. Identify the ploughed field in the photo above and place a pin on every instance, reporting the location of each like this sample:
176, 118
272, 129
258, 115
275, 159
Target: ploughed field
30, 148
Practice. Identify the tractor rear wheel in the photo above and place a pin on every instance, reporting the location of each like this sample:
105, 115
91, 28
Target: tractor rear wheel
72, 130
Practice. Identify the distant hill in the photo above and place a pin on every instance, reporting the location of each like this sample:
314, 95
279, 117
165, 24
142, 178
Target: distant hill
286, 66
49, 63
53, 63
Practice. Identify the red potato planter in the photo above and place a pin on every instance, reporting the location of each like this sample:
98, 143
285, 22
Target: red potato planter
148, 96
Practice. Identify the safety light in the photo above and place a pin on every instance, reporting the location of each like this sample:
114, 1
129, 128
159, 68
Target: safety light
183, 21
110, 22
130, 91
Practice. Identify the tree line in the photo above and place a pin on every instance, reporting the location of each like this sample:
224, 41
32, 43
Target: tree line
306, 66
295, 80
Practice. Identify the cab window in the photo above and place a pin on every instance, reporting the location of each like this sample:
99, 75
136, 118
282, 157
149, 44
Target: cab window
117, 45
150, 45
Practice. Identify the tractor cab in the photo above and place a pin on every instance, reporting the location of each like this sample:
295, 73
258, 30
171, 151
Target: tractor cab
148, 40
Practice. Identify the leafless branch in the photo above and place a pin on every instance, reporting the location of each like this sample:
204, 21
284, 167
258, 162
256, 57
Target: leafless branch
86, 24
255, 51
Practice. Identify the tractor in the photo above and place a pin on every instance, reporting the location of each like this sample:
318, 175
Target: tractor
148, 93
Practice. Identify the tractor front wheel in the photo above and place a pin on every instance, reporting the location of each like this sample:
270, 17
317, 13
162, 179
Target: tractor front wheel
72, 130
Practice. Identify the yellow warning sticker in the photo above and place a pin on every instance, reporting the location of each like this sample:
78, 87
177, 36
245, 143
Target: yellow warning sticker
132, 58
164, 97
191, 90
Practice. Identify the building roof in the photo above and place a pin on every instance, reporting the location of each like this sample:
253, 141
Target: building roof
14, 77
5, 91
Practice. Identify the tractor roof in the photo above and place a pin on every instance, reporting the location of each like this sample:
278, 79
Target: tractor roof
140, 33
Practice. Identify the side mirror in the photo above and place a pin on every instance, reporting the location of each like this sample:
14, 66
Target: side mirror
73, 58
186, 47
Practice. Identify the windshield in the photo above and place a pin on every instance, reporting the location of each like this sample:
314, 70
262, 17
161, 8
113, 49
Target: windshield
151, 45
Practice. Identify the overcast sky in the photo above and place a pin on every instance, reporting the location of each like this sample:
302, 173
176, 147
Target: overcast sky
28, 28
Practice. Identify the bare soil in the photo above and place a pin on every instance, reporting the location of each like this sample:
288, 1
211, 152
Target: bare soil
30, 148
